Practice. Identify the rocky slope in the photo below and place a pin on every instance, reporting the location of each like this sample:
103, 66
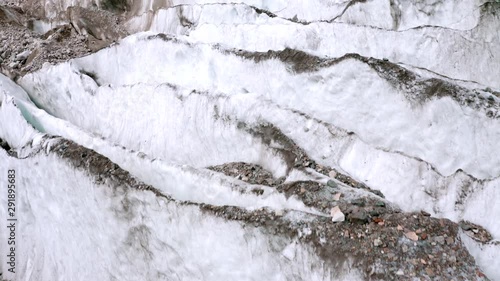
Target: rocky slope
259, 140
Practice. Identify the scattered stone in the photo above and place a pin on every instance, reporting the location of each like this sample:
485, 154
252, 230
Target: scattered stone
400, 272
450, 240
425, 214
429, 272
337, 215
377, 242
399, 227
380, 204
404, 248
423, 236
411, 235
439, 239
332, 174
336, 197
465, 226
358, 202
331, 183
358, 215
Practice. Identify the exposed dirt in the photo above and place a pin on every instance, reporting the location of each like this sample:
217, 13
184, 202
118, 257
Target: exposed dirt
79, 32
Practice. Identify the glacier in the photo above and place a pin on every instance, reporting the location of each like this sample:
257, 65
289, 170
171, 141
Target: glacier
393, 102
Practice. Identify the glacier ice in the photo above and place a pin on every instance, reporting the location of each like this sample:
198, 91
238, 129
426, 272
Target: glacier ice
398, 97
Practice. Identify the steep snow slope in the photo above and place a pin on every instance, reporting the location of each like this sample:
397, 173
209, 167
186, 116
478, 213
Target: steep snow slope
127, 226
467, 55
338, 87
140, 233
336, 100
414, 166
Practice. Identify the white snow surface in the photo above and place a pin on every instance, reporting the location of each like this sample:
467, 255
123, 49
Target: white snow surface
134, 234
397, 15
147, 104
435, 48
166, 108
349, 95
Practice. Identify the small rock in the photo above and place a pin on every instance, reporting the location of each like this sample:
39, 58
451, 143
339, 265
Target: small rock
336, 197
404, 248
399, 227
331, 183
380, 204
425, 214
429, 272
411, 235
439, 240
337, 215
358, 216
400, 272
465, 226
450, 240
475, 230
377, 242
358, 202
332, 174
423, 236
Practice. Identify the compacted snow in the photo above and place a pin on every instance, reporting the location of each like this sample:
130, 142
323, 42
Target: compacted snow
399, 95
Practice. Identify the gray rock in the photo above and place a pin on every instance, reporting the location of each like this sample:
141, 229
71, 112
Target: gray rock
439, 239
465, 226
331, 183
358, 202
358, 216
